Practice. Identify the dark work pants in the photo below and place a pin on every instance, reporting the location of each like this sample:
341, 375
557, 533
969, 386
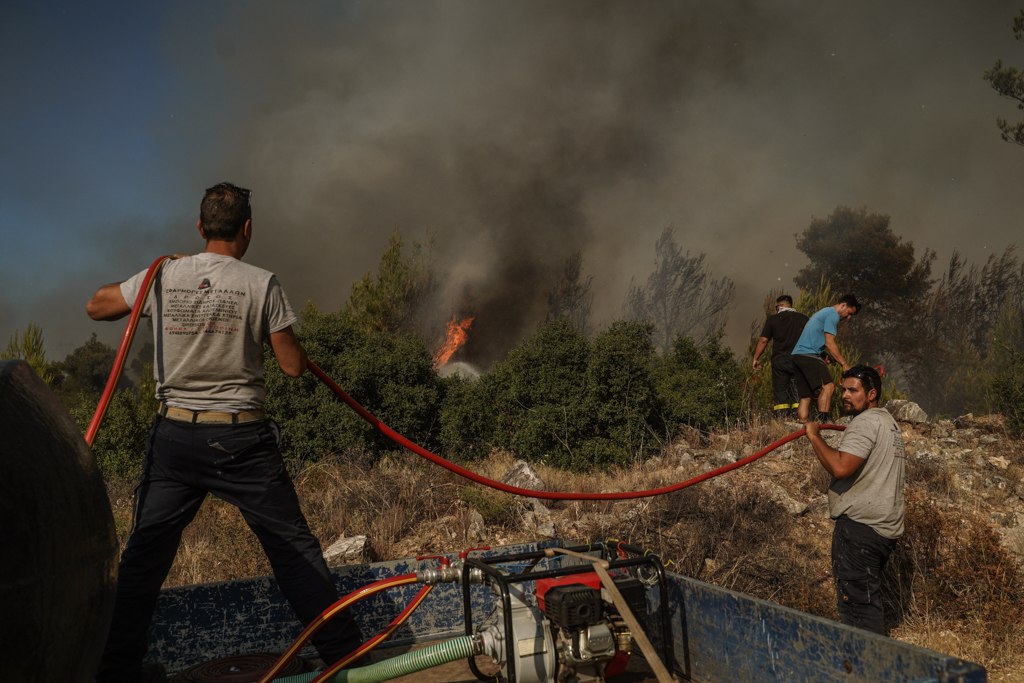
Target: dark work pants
784, 385
858, 555
242, 465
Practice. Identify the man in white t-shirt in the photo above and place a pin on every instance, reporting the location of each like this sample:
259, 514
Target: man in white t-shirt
865, 497
211, 314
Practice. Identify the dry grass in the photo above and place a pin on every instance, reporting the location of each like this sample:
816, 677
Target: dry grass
949, 586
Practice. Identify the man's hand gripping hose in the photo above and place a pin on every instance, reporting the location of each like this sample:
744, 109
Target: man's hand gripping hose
129, 333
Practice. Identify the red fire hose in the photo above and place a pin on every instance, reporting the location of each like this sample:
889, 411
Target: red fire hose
122, 350
552, 495
345, 603
406, 443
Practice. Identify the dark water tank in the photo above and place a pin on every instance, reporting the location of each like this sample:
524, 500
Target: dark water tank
58, 572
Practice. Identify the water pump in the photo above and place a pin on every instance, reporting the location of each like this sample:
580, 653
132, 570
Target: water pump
573, 633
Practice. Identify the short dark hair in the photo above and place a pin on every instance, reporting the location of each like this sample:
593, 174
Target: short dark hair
849, 300
868, 377
224, 211
784, 297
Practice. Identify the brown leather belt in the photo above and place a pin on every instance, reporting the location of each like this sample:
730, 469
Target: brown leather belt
210, 417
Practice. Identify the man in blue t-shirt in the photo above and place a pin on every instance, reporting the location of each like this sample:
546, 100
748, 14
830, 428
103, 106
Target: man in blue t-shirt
820, 335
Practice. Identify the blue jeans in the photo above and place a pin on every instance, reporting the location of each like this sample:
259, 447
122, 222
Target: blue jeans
241, 465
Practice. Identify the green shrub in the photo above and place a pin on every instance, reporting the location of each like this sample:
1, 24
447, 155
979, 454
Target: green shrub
570, 403
621, 397
391, 377
469, 418
1008, 392
561, 399
120, 443
532, 403
700, 386
494, 507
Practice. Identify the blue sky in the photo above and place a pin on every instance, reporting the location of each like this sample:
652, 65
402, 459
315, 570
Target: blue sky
515, 133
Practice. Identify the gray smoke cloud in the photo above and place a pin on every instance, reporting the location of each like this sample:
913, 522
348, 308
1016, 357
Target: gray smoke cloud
502, 128
519, 133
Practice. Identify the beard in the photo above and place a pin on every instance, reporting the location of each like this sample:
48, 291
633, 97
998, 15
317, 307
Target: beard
848, 409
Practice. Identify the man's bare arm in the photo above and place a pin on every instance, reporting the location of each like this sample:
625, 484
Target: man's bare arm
108, 303
833, 350
761, 344
289, 352
839, 464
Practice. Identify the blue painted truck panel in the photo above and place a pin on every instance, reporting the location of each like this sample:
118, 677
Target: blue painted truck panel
718, 635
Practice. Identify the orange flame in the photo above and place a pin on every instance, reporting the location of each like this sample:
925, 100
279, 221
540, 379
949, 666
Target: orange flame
455, 336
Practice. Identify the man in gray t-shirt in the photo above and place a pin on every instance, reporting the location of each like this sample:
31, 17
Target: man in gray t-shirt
211, 315
865, 498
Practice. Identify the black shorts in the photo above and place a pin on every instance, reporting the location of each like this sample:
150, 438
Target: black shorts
813, 374
783, 378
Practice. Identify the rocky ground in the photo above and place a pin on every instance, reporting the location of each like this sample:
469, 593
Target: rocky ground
967, 472
954, 583
967, 465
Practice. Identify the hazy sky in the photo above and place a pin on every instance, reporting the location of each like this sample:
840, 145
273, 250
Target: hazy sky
516, 132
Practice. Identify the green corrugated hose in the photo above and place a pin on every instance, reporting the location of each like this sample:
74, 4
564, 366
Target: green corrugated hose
402, 665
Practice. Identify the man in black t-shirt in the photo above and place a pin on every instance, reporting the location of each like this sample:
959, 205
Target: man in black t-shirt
783, 330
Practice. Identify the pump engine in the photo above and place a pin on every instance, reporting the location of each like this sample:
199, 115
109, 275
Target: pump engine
574, 634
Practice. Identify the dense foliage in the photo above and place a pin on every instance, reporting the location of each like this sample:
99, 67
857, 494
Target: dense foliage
120, 444
392, 377
570, 402
700, 386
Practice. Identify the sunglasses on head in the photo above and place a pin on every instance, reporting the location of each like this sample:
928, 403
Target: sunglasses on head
865, 379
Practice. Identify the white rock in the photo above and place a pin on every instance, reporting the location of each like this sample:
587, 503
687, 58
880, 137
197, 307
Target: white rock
780, 496
965, 435
998, 461
1012, 539
964, 421
546, 528
819, 504
477, 530
523, 476
906, 411
536, 506
722, 458
997, 483
354, 549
